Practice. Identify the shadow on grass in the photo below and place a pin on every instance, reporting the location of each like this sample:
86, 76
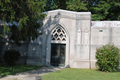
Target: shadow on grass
11, 70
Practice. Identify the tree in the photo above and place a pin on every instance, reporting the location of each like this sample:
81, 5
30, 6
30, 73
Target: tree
77, 5
26, 13
100, 9
106, 10
55, 4
49, 5
60, 4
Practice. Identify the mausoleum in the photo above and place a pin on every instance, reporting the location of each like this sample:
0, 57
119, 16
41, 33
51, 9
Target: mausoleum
68, 39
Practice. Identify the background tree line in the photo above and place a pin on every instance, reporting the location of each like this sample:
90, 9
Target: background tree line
100, 9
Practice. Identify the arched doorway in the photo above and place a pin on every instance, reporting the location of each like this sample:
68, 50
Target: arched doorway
58, 47
60, 40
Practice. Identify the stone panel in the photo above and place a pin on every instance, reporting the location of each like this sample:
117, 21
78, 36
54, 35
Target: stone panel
81, 64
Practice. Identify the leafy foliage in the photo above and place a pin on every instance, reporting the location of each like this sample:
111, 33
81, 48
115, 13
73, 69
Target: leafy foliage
60, 4
11, 56
26, 13
106, 10
55, 4
108, 58
76, 5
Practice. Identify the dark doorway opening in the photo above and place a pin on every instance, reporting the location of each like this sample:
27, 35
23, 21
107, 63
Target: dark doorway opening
58, 54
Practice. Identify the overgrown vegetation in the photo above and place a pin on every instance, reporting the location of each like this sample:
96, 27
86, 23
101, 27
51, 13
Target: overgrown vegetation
10, 70
10, 57
108, 58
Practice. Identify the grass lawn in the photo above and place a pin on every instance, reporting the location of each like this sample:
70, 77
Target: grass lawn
16, 69
81, 74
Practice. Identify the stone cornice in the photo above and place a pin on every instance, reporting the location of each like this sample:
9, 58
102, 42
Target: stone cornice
68, 14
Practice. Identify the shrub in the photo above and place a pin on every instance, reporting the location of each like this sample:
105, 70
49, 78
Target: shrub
108, 58
11, 56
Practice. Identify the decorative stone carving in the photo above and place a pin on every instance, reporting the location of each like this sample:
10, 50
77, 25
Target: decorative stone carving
79, 37
86, 37
58, 35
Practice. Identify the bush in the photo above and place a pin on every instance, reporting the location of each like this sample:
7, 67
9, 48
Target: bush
11, 56
107, 58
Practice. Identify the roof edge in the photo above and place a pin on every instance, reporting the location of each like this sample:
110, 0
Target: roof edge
67, 11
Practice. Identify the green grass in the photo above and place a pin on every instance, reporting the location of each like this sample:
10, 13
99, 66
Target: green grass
4, 71
81, 74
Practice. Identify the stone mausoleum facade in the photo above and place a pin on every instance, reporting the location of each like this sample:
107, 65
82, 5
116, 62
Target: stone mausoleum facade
68, 39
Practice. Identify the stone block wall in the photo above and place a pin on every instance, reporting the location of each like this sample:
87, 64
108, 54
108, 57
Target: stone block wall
35, 54
102, 33
10, 45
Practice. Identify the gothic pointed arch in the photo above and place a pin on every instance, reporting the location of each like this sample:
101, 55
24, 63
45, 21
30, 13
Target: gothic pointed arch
58, 34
